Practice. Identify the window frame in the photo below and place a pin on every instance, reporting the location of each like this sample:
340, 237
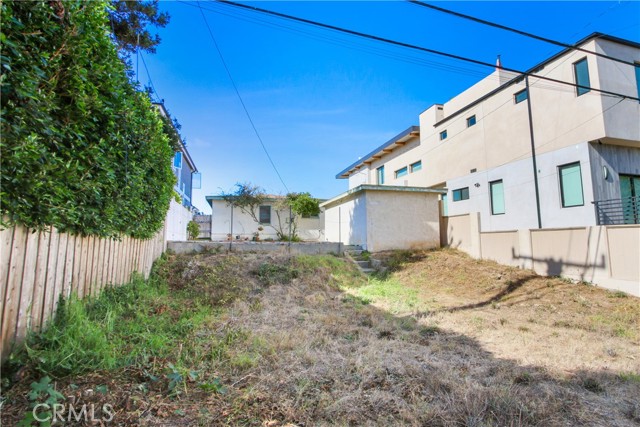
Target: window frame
461, 192
523, 91
412, 166
471, 119
380, 175
636, 69
403, 171
443, 135
260, 210
561, 182
504, 207
177, 158
581, 91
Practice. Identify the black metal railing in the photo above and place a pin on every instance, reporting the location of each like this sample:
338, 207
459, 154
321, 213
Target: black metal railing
618, 211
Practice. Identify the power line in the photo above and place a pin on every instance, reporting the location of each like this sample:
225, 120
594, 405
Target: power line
149, 77
235, 87
514, 30
415, 47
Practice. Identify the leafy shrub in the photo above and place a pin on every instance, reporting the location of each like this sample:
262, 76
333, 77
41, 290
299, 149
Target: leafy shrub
193, 230
82, 149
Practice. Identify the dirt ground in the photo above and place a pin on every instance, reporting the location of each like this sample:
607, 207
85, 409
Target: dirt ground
441, 340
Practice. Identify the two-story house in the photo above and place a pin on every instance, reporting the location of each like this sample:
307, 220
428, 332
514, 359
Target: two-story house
526, 152
187, 176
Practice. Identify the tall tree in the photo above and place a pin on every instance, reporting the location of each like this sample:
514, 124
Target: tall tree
130, 21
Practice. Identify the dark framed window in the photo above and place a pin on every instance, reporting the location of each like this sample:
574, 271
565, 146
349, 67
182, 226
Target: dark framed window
637, 67
415, 167
380, 175
401, 172
461, 194
265, 215
581, 72
443, 135
497, 197
571, 185
471, 121
518, 97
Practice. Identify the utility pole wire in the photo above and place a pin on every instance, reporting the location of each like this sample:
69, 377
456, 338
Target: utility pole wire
419, 48
514, 30
235, 87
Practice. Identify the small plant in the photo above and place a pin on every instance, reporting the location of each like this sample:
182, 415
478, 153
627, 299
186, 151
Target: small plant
214, 386
193, 230
42, 393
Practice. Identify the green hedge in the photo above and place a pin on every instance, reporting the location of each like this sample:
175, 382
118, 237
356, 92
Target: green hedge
82, 149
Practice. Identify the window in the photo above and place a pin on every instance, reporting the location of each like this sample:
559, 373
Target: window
497, 197
401, 172
581, 71
471, 121
571, 185
637, 67
461, 194
521, 96
443, 135
177, 160
415, 167
265, 215
380, 175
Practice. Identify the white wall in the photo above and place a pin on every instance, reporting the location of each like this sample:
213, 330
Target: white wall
244, 225
176, 222
519, 193
346, 221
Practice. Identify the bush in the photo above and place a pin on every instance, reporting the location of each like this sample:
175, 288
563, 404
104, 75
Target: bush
193, 230
82, 149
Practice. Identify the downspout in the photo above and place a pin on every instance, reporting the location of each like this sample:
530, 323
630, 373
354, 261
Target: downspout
533, 152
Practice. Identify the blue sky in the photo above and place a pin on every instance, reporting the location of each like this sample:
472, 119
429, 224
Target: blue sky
320, 99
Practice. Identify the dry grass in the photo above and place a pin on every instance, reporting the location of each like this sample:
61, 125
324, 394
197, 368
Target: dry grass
442, 341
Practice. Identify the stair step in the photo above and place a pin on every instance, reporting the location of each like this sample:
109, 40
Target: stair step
368, 270
363, 264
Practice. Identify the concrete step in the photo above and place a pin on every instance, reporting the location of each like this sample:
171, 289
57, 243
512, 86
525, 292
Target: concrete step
355, 253
368, 270
363, 264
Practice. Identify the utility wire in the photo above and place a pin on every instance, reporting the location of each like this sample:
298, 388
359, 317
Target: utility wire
419, 48
149, 77
514, 30
235, 87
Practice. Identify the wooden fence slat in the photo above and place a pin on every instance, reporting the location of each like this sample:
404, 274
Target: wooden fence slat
68, 266
52, 264
77, 267
12, 301
6, 240
90, 261
60, 265
82, 276
104, 261
95, 260
39, 290
26, 287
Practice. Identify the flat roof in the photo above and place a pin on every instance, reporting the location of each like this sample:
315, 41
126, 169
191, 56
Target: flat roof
536, 68
398, 140
370, 187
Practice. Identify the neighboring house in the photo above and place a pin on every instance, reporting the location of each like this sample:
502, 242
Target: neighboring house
244, 227
528, 153
187, 176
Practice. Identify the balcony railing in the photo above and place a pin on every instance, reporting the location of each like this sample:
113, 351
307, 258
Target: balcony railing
618, 211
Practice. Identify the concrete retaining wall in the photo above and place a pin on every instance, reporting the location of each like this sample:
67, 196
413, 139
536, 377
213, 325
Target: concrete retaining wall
304, 248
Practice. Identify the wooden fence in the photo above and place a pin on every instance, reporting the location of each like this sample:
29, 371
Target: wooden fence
36, 268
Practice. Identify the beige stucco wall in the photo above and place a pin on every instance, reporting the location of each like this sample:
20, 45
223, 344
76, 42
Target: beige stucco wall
244, 226
402, 220
384, 218
607, 256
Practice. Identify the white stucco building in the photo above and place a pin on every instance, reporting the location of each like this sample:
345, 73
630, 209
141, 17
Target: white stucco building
226, 222
527, 153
